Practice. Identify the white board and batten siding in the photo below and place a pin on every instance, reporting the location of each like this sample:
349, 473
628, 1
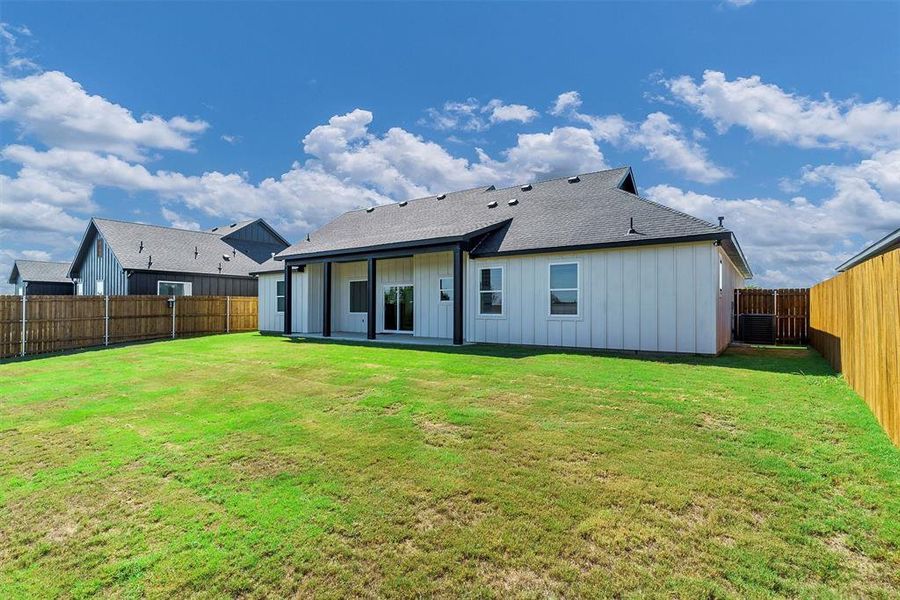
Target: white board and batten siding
645, 298
661, 298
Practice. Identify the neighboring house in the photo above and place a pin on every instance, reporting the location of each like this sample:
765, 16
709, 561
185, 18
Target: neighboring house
121, 258
580, 261
889, 242
39, 277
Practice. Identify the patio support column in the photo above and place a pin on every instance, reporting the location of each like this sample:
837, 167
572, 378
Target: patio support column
288, 322
370, 290
458, 295
326, 299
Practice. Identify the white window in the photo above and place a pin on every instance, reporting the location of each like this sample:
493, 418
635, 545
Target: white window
98, 288
79, 288
173, 288
446, 290
490, 291
21, 290
279, 296
564, 289
359, 296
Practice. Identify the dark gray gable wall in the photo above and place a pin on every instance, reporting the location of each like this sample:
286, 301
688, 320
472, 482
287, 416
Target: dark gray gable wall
91, 268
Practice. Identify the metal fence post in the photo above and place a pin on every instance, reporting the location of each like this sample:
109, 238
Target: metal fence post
24, 304
106, 320
173, 316
227, 314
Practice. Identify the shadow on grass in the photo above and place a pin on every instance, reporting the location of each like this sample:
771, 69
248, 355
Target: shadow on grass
774, 359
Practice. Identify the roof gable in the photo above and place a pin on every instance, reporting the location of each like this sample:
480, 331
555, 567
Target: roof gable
40, 270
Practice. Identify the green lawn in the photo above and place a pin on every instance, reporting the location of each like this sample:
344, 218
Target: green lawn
246, 465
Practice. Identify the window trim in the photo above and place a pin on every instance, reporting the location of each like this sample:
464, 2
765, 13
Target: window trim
502, 313
576, 289
451, 289
350, 297
721, 277
188, 287
277, 295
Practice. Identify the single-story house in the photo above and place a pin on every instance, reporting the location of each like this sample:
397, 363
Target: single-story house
580, 261
122, 258
889, 242
40, 277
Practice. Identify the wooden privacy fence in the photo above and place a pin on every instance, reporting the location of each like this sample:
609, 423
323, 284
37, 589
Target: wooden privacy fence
855, 325
54, 323
771, 316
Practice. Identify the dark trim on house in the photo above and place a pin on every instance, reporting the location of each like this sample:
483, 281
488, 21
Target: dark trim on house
458, 295
326, 299
372, 296
288, 301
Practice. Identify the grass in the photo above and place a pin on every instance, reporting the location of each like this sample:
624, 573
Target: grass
246, 465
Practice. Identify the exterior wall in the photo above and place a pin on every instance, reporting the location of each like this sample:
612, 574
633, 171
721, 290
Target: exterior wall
145, 282
46, 288
269, 317
652, 298
649, 298
432, 318
731, 280
106, 268
254, 233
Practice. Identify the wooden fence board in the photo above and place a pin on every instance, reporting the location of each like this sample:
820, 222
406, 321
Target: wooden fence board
55, 323
855, 325
789, 308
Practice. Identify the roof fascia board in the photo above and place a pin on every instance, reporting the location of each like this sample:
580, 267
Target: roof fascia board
410, 247
871, 252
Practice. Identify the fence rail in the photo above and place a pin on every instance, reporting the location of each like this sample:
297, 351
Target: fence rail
855, 325
787, 307
54, 323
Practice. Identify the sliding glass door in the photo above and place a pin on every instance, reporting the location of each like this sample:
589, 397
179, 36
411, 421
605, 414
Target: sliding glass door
398, 308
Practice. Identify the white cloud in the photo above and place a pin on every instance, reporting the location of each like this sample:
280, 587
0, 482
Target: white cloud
798, 242
665, 141
231, 139
769, 112
37, 216
178, 221
469, 115
740, 3
565, 103
58, 112
662, 138
502, 113
10, 43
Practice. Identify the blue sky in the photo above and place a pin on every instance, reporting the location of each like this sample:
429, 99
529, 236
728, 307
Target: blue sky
782, 117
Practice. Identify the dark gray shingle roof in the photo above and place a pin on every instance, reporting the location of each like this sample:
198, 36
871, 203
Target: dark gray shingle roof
170, 249
590, 210
40, 270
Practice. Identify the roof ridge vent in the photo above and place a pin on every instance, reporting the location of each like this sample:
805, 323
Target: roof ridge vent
441, 196
214, 229
404, 203
233, 225
370, 209
526, 187
490, 189
492, 204
574, 179
513, 202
